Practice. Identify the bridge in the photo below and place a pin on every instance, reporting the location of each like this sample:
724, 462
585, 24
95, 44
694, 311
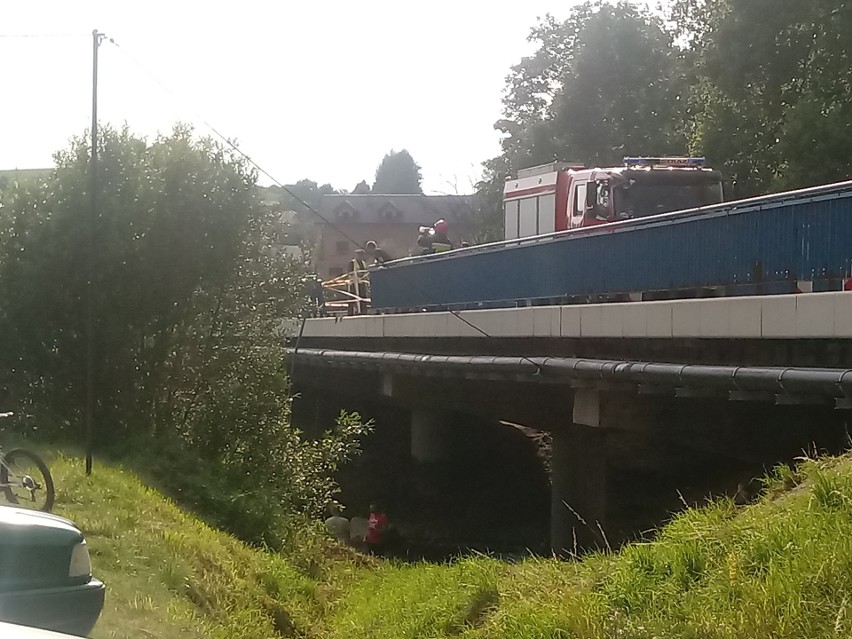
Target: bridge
643, 406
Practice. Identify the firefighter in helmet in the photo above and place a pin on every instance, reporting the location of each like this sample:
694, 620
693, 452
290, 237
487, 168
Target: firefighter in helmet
433, 239
440, 241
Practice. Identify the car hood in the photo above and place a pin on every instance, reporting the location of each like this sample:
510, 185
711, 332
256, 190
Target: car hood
11, 517
20, 526
35, 549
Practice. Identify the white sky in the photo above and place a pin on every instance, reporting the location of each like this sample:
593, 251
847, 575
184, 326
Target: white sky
318, 90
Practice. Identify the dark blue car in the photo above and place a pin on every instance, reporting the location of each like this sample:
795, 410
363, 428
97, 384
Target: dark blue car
45, 573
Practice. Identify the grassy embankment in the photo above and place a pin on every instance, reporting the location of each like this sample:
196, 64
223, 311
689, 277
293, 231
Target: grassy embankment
170, 575
779, 568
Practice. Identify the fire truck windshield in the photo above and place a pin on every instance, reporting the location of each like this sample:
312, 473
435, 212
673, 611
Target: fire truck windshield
643, 193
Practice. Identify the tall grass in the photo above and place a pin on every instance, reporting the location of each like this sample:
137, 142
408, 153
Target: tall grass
168, 574
781, 567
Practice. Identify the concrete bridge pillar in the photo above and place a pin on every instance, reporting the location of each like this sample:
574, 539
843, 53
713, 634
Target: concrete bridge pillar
578, 469
433, 456
431, 436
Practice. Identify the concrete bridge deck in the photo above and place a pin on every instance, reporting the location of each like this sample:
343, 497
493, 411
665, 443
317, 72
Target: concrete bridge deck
804, 316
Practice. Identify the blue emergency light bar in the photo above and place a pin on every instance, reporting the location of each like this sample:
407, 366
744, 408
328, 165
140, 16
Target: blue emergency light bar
663, 161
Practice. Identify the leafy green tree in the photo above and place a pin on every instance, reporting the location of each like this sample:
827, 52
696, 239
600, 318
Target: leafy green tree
398, 173
622, 94
228, 392
771, 96
605, 82
189, 293
171, 217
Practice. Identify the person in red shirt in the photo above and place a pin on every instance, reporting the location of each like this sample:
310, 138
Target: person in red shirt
376, 526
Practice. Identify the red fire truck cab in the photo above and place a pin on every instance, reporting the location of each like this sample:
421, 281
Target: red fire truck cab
557, 196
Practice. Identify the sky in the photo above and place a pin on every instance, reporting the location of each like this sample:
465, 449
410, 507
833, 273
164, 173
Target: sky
318, 90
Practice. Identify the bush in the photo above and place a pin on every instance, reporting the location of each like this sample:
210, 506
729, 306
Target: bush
271, 505
188, 291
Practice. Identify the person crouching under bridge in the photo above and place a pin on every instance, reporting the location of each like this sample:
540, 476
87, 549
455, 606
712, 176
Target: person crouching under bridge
377, 526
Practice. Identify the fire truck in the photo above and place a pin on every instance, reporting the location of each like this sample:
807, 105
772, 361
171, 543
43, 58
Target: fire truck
557, 197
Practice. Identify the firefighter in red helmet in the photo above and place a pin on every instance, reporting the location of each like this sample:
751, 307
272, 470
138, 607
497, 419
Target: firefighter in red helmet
433, 239
440, 240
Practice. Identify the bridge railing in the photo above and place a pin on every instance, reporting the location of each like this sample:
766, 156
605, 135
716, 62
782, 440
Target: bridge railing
793, 242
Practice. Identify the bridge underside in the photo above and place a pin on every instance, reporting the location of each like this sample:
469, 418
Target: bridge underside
622, 453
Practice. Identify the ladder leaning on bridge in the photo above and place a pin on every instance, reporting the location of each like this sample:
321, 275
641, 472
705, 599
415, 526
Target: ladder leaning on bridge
346, 294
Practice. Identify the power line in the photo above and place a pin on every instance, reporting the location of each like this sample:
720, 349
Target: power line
284, 187
43, 35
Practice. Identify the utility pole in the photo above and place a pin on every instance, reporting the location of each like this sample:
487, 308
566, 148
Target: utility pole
90, 275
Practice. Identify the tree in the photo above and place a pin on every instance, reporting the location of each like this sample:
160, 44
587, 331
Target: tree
306, 191
362, 188
172, 214
603, 83
622, 93
771, 96
398, 173
189, 290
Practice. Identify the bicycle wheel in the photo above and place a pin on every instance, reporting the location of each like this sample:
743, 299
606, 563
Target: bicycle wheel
25, 480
